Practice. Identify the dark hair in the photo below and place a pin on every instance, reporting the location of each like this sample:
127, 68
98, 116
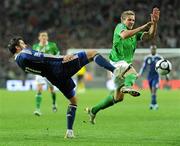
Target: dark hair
13, 43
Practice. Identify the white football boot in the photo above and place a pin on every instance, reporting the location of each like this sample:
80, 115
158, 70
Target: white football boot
37, 112
69, 134
54, 108
91, 115
130, 90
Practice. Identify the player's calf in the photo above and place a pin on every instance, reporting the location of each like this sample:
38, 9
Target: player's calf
93, 55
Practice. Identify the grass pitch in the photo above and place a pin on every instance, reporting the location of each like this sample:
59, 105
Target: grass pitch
129, 123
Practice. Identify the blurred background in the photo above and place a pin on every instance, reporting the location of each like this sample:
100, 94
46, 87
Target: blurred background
84, 24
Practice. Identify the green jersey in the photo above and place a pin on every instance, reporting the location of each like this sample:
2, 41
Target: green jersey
123, 49
49, 48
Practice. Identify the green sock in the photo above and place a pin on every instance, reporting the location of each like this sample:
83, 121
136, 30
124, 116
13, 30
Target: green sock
53, 95
130, 79
105, 103
38, 100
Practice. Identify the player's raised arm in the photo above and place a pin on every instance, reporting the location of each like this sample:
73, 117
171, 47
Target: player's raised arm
128, 33
127, 22
153, 29
143, 67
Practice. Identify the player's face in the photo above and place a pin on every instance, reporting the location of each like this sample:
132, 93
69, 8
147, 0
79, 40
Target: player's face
129, 21
22, 44
153, 51
43, 37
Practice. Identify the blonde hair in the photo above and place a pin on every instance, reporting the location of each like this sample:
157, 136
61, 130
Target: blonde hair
125, 14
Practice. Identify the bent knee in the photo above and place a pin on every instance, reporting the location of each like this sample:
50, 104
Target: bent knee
119, 98
91, 53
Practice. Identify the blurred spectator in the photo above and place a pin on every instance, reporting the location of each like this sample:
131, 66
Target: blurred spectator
78, 20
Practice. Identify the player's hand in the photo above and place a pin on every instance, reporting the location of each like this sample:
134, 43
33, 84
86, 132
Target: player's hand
155, 15
147, 25
68, 58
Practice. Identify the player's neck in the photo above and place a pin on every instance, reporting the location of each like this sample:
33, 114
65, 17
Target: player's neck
43, 43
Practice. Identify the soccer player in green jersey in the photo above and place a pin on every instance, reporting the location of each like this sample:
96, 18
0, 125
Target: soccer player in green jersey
47, 47
124, 44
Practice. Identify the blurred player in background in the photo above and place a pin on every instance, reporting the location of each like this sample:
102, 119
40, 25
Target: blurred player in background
47, 47
153, 77
58, 70
124, 44
81, 88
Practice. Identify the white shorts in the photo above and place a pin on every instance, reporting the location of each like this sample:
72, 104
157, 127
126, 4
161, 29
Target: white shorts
42, 80
114, 83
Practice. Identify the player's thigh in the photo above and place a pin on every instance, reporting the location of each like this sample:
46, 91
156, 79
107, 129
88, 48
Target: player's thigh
83, 58
90, 54
129, 69
71, 67
40, 81
50, 85
150, 84
114, 83
66, 86
155, 85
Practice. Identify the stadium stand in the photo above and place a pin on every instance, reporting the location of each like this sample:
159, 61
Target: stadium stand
80, 24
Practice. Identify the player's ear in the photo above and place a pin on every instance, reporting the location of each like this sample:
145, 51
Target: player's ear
17, 47
39, 38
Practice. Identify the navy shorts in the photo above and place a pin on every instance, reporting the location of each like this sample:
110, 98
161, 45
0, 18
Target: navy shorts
153, 83
62, 80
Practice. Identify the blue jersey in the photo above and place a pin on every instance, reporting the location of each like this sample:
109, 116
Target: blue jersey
59, 73
149, 63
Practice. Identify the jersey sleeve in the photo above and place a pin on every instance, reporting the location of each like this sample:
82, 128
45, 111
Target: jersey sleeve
36, 56
34, 47
53, 49
143, 67
119, 28
139, 36
33, 56
56, 50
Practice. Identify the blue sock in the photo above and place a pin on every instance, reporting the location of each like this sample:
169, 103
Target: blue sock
71, 112
153, 101
101, 61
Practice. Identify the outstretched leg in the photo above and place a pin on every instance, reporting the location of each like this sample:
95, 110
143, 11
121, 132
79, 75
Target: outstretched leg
153, 88
38, 100
53, 95
71, 113
109, 101
129, 79
93, 55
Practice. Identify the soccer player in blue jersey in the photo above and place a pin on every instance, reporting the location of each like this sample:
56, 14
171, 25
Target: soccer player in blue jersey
153, 76
58, 70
